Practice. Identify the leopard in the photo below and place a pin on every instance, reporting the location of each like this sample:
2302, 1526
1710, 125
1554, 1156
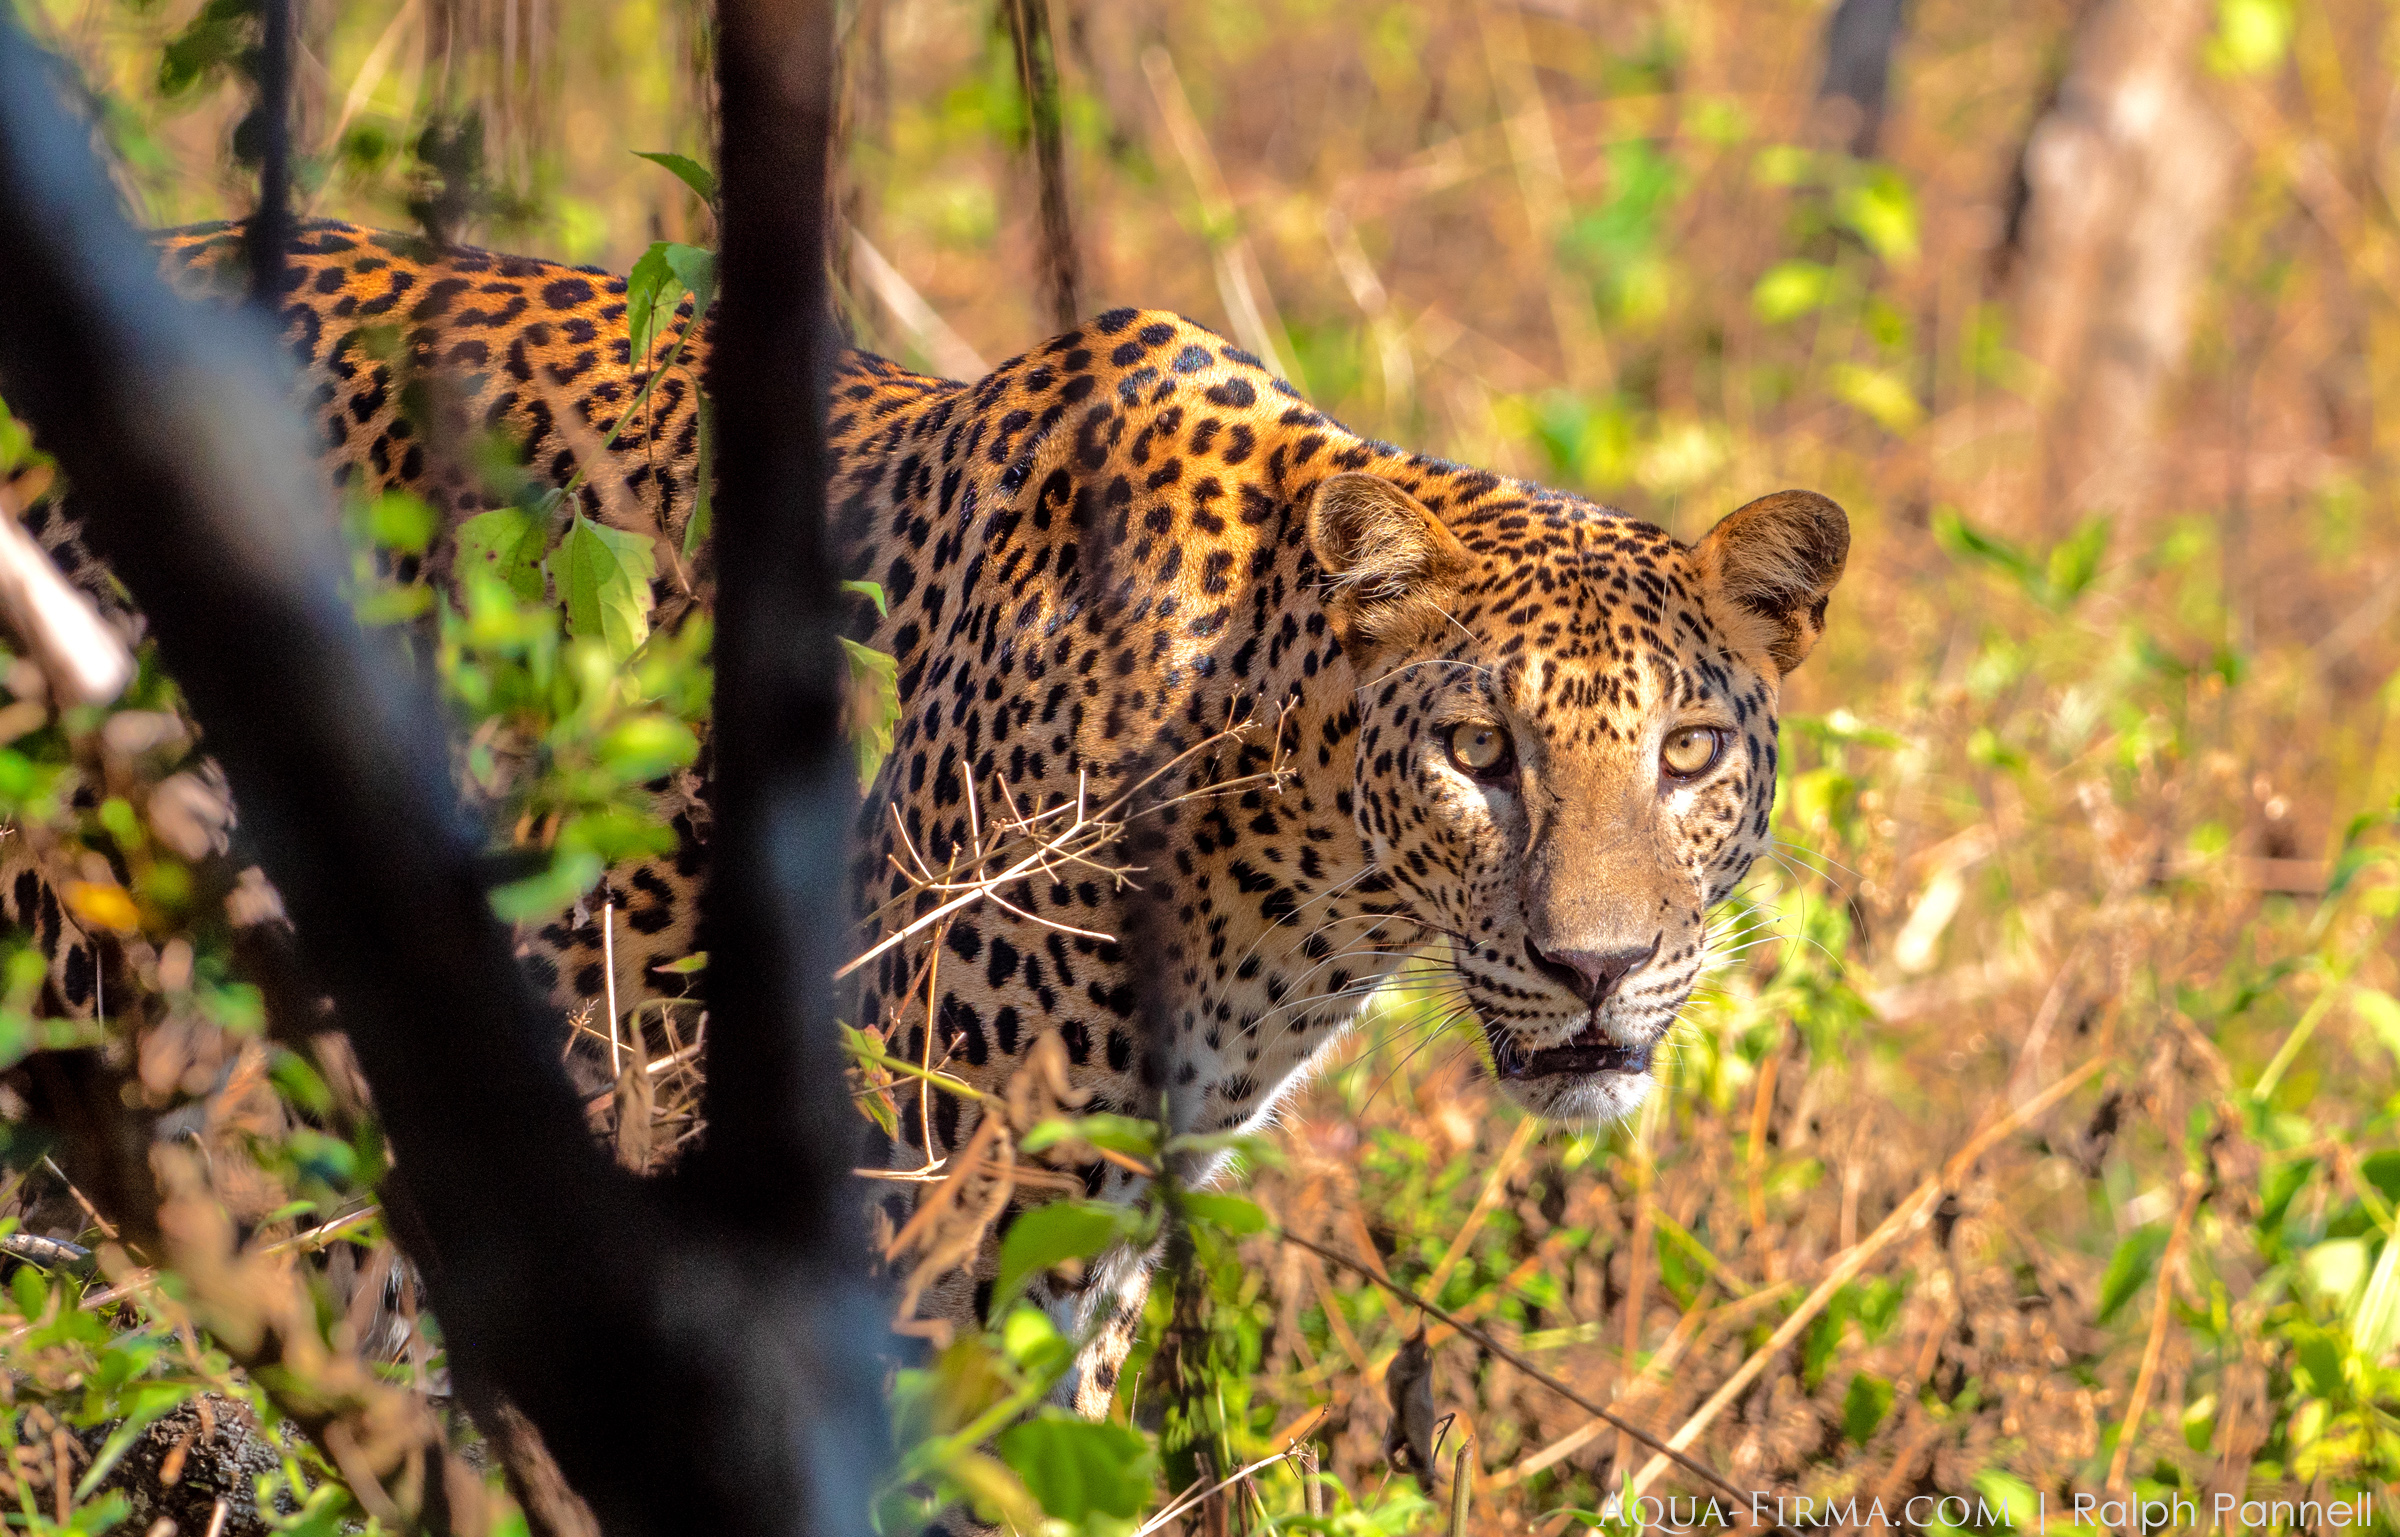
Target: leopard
1367, 719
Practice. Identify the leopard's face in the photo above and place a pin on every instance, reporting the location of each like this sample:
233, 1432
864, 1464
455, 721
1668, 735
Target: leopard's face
1564, 767
1566, 814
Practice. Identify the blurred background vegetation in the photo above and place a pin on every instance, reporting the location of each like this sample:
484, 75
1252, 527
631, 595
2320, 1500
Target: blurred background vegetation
2089, 313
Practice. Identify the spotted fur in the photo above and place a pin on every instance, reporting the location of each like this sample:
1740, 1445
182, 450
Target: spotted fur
1098, 557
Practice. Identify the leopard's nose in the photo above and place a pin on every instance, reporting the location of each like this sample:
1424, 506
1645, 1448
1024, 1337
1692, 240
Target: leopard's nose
1592, 975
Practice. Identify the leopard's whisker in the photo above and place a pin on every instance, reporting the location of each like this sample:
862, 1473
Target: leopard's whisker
1803, 851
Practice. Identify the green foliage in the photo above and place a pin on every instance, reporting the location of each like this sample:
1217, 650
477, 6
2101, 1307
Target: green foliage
1051, 1235
2013, 1499
1620, 238
575, 710
16, 443
658, 283
2054, 580
1791, 289
604, 579
875, 706
216, 37
690, 172
2252, 36
2129, 1269
82, 1361
1864, 1406
1079, 1468
505, 545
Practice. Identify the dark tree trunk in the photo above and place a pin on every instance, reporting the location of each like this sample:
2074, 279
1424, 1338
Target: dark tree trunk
1859, 40
700, 1358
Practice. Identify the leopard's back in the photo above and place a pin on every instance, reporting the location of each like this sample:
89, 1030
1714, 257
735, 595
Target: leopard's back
415, 365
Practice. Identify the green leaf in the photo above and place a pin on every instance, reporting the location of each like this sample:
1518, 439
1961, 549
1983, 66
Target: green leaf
1880, 210
1077, 1467
30, 1290
399, 520
1961, 538
872, 591
143, 1406
1253, 1149
1237, 1215
2382, 1170
16, 442
1791, 289
300, 1084
695, 269
643, 748
2375, 1322
1031, 1341
2075, 561
2380, 1013
1049, 1235
690, 172
1677, 1270
1864, 1406
1118, 1133
214, 38
2130, 1268
2336, 1269
1824, 1339
505, 543
2054, 580
605, 578
2317, 1359
664, 272
1879, 1306
995, 1492
391, 604
2012, 1497
874, 706
2279, 1184
1881, 394
571, 874
2252, 36
645, 286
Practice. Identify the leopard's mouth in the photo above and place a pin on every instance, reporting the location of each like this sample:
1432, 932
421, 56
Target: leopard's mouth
1587, 1052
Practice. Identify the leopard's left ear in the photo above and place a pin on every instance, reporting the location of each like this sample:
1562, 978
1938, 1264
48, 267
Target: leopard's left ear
1766, 570
1392, 567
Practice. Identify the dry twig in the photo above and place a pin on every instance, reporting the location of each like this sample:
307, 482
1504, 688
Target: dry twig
2171, 1261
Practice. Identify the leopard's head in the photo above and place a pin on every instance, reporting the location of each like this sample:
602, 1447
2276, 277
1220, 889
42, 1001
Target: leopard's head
1566, 748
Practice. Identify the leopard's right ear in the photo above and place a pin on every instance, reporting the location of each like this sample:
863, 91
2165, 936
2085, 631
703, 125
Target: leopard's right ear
1392, 568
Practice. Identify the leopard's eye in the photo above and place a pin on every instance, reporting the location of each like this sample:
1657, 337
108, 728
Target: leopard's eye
1692, 751
1482, 750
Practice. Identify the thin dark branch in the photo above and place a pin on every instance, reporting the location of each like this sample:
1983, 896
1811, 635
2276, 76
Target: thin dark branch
1037, 77
271, 227
783, 1136
782, 794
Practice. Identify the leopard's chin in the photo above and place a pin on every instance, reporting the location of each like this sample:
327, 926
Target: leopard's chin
1589, 1077
1586, 1099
